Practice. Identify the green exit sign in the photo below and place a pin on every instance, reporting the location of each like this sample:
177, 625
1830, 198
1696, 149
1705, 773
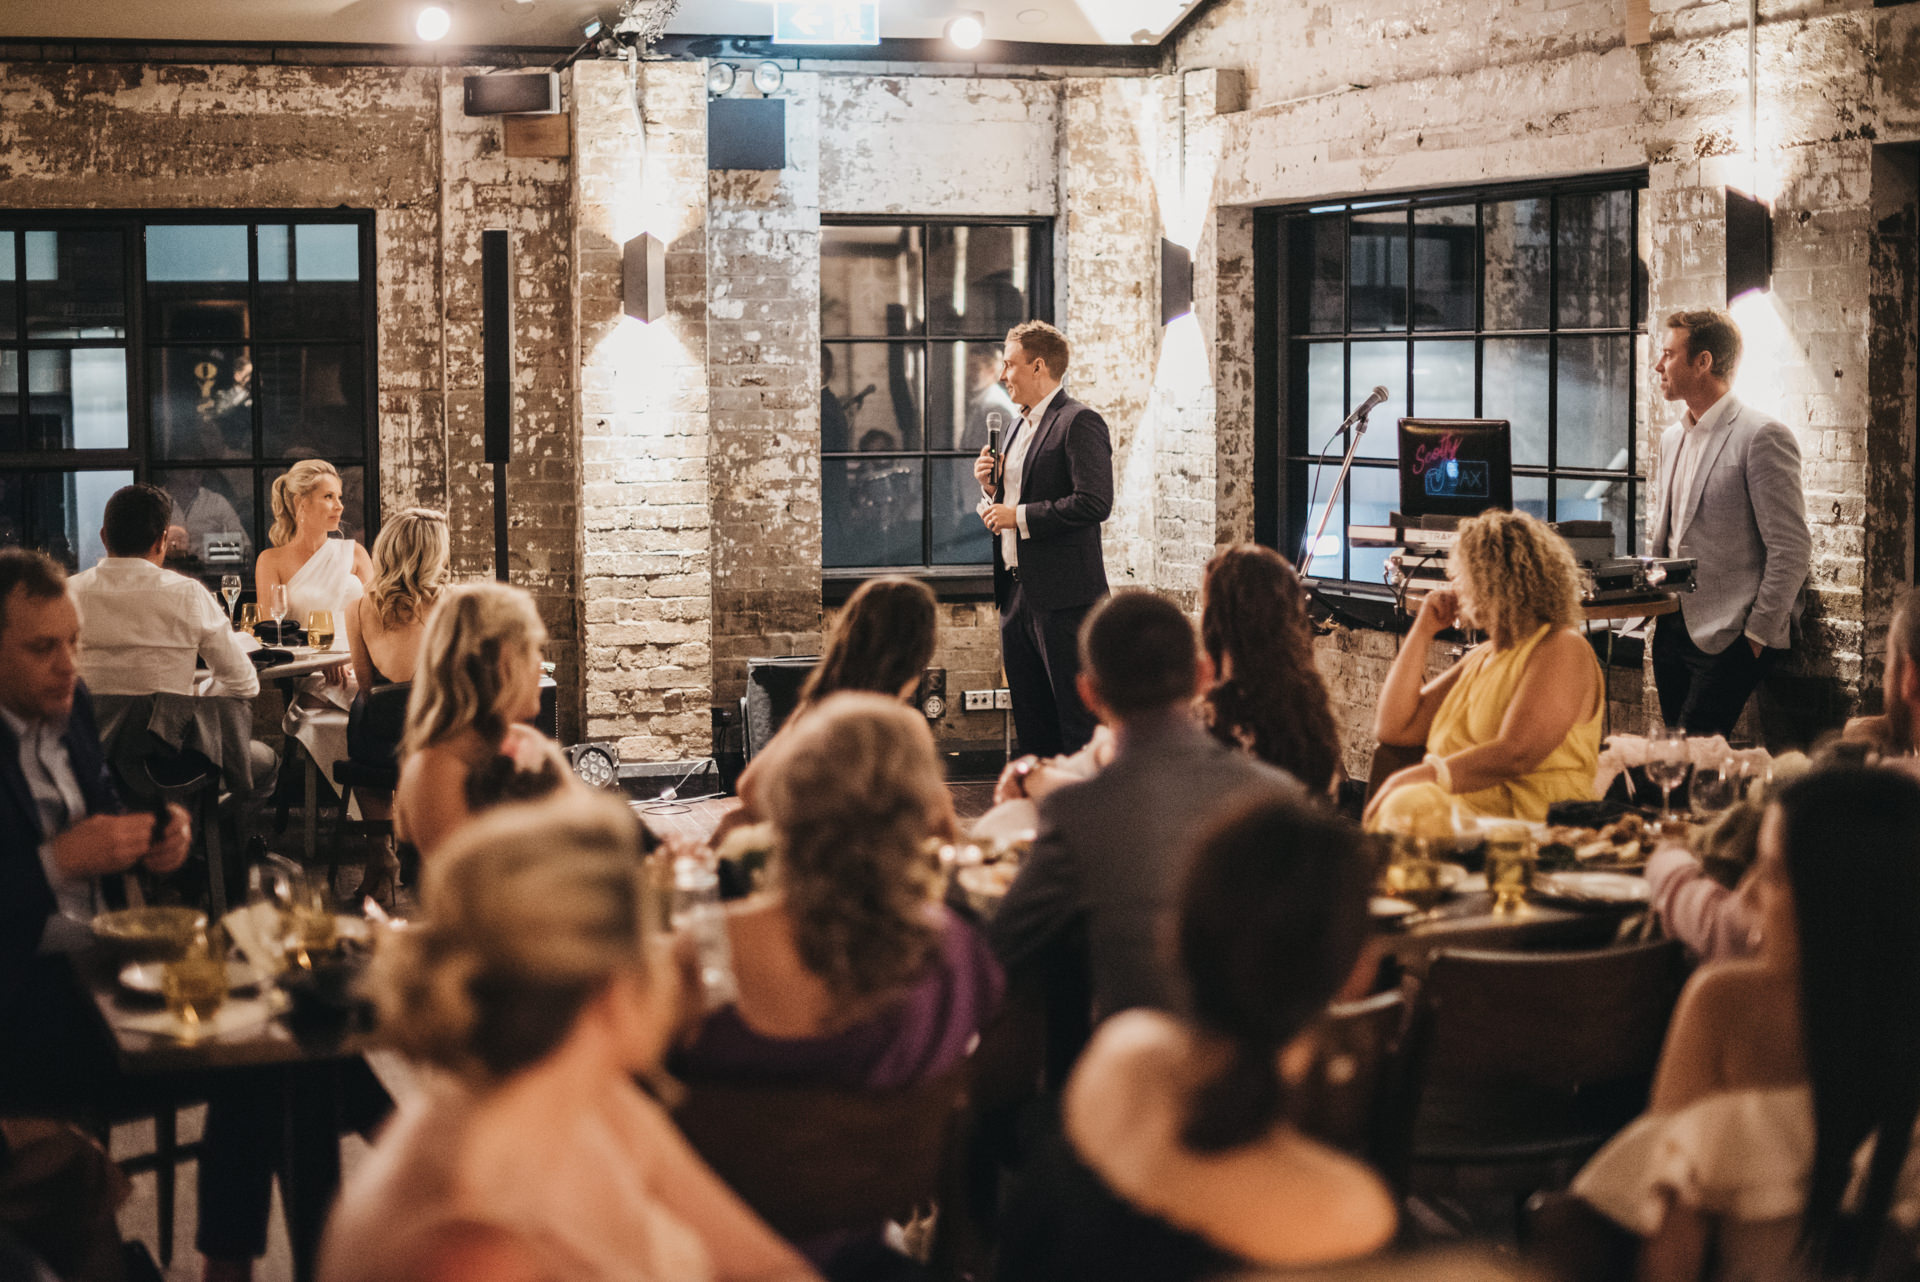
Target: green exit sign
826, 22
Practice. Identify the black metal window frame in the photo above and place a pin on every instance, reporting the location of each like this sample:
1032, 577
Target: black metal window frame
1285, 456
141, 455
951, 582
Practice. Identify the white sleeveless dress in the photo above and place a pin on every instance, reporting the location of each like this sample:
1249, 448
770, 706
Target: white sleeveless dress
325, 582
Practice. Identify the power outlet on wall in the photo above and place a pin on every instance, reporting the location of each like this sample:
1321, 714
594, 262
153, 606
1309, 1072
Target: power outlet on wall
978, 700
1003, 699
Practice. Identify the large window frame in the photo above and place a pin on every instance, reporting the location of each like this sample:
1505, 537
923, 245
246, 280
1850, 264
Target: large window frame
143, 457
1295, 450
971, 580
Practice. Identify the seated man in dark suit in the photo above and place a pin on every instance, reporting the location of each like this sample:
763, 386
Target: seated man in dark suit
1098, 892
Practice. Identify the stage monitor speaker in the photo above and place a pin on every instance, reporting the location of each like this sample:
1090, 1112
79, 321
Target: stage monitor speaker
496, 343
529, 94
747, 133
773, 690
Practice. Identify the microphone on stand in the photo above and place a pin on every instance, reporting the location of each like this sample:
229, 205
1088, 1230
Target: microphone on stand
1365, 408
1358, 421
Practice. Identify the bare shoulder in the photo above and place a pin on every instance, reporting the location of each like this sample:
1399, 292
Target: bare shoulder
469, 1251
1130, 1062
270, 565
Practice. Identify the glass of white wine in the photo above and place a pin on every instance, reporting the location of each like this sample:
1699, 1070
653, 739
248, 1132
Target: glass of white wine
320, 629
277, 608
1668, 762
230, 589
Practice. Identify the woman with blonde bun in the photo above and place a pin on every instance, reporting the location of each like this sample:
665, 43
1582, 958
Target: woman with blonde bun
536, 989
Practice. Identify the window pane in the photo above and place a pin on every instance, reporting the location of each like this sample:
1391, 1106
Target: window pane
1515, 244
353, 497
202, 401
58, 513
1320, 274
1595, 413
13, 435
959, 537
1596, 259
976, 279
1376, 497
1593, 501
1530, 495
1378, 260
316, 292
870, 282
872, 511
876, 388
9, 287
1443, 267
1327, 558
1443, 378
76, 284
1380, 365
197, 283
77, 398
312, 402
963, 382
1326, 395
212, 532
1513, 386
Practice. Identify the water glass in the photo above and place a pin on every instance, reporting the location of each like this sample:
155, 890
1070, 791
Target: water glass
1511, 859
1668, 762
195, 985
249, 617
1714, 788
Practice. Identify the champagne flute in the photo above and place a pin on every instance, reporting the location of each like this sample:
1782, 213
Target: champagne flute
230, 589
277, 608
1667, 765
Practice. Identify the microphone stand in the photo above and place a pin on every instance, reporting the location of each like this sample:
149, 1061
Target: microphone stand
1339, 482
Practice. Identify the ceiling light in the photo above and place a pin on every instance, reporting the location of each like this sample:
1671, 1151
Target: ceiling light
767, 78
720, 76
967, 30
433, 23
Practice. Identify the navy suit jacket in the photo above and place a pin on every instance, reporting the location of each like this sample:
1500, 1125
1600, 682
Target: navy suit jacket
26, 899
1066, 486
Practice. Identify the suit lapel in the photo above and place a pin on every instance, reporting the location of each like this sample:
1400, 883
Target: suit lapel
1709, 454
15, 781
1663, 515
1048, 425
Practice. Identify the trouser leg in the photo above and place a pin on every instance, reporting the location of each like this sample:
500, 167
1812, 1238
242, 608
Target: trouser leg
1060, 632
1036, 719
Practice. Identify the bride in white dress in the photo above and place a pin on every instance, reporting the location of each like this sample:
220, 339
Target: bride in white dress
320, 573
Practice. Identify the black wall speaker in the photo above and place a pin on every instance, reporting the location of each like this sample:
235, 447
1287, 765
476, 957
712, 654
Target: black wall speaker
746, 133
496, 342
532, 94
773, 689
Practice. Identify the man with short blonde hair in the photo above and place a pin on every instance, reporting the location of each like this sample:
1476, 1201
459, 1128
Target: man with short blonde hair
1043, 496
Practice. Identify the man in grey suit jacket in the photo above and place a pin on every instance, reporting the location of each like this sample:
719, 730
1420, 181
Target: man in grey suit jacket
1731, 497
1093, 904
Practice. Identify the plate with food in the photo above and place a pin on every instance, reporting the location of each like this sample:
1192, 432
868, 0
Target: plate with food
1609, 888
1621, 845
144, 977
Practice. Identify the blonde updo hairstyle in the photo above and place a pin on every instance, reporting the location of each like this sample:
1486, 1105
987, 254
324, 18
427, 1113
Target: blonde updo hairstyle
853, 791
290, 489
410, 565
534, 909
474, 636
1516, 575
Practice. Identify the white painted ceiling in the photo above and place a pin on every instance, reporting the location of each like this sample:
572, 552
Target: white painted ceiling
554, 22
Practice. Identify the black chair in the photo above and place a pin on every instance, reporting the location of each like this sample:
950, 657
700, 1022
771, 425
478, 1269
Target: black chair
1348, 1099
1521, 1065
372, 764
150, 770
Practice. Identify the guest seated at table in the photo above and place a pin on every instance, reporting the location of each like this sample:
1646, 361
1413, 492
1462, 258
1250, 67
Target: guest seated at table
384, 631
1780, 1071
1267, 697
1091, 903
467, 746
1892, 731
143, 627
1704, 889
850, 974
319, 572
536, 991
1173, 1157
1515, 725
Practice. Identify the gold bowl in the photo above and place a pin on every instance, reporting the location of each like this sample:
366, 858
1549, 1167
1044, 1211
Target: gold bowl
149, 934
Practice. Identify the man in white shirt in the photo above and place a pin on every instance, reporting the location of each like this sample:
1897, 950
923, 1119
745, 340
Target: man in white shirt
1730, 497
141, 626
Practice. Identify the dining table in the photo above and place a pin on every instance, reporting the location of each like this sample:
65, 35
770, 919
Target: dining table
306, 661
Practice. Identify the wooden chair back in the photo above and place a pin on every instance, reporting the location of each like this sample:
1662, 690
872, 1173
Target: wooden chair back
1345, 1099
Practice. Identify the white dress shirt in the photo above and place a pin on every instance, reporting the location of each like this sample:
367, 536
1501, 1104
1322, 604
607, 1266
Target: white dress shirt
1014, 465
1693, 442
57, 796
142, 626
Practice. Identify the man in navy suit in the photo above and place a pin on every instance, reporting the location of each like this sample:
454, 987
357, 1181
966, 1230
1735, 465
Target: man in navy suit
1044, 498
61, 826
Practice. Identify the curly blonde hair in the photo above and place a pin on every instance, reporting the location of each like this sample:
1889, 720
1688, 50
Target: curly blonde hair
854, 790
411, 560
534, 909
289, 488
1515, 575
474, 635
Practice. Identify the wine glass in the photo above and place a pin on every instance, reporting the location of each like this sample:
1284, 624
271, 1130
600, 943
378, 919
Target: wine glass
1713, 789
320, 629
277, 607
1667, 765
249, 617
230, 589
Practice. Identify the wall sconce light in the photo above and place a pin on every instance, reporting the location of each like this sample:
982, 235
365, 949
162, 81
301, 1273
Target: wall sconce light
767, 78
643, 272
720, 76
1749, 245
1176, 281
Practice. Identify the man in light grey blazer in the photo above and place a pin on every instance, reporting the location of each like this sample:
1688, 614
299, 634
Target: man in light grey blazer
1731, 497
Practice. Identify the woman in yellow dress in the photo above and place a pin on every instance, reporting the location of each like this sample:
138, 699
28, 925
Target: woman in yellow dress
1515, 725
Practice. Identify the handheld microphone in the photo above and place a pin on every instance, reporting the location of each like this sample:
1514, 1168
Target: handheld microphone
995, 421
1366, 407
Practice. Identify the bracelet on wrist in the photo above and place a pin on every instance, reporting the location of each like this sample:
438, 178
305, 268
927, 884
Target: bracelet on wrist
1442, 774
